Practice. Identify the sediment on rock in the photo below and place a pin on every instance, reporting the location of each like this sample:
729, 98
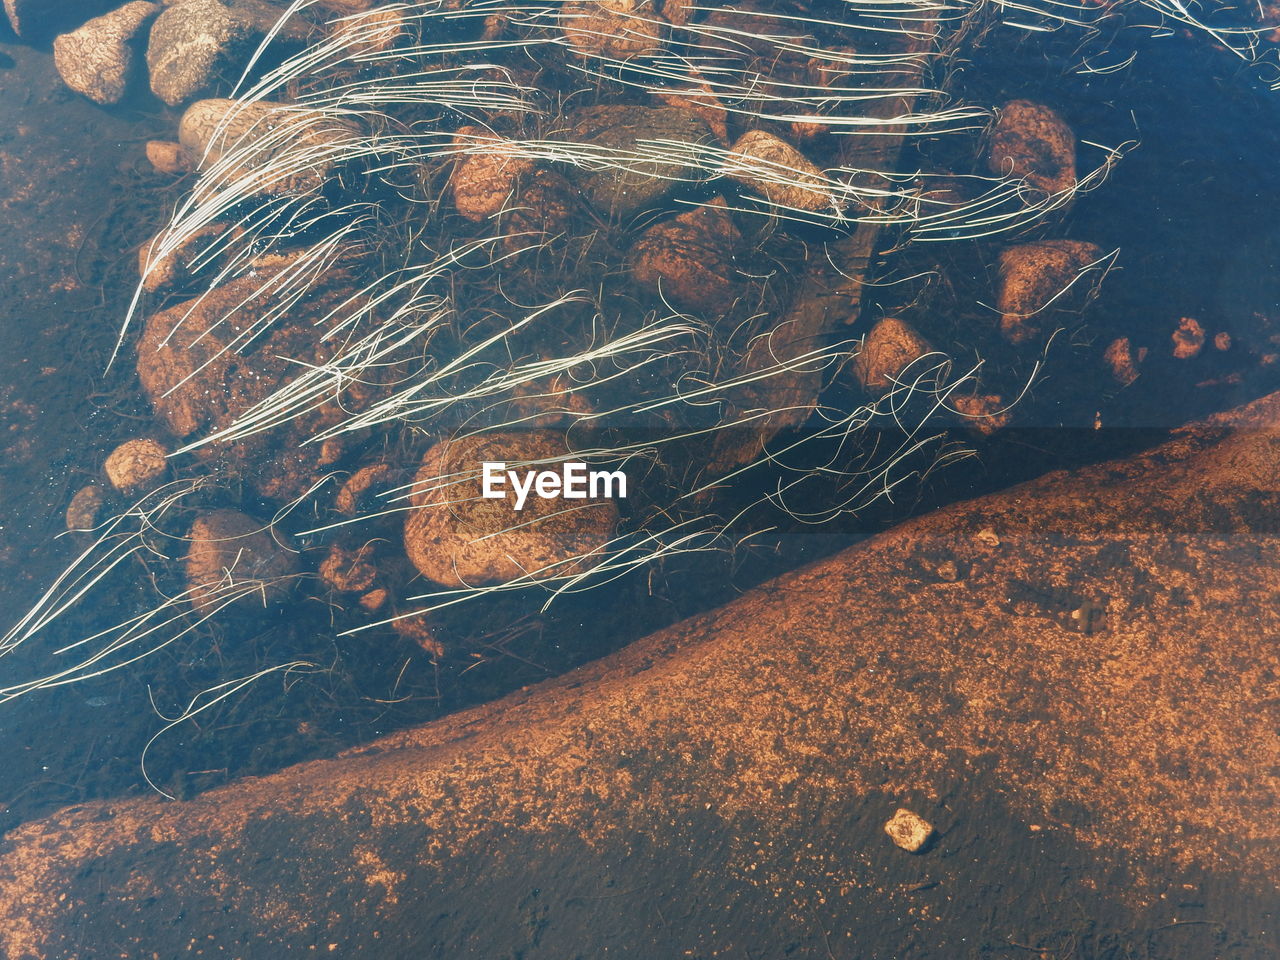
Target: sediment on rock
1101, 646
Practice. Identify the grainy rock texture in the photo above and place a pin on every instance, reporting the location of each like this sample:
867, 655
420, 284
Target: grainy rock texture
194, 42
275, 146
136, 464
613, 29
889, 347
778, 171
640, 175
234, 559
202, 369
689, 259
167, 156
455, 536
486, 178
1041, 284
97, 59
1103, 664
1029, 140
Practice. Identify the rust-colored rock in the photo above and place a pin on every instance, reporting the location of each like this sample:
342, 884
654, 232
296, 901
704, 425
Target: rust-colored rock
359, 484
889, 347
234, 559
349, 571
161, 269
612, 29
1042, 282
1188, 338
375, 31
1122, 361
689, 260
1031, 141
455, 536
1104, 676
487, 176
202, 371
540, 213
167, 156
984, 413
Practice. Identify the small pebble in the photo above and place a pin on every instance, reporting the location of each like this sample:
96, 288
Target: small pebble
82, 514
908, 830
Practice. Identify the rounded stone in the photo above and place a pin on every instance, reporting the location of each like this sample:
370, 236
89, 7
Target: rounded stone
456, 537
136, 464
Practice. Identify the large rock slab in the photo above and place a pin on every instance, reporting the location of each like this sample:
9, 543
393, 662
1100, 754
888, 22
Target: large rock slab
1087, 660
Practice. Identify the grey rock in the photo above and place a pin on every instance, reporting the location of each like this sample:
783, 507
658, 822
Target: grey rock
194, 42
97, 59
622, 130
33, 18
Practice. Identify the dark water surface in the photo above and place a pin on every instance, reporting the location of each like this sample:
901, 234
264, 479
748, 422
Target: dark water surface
1191, 209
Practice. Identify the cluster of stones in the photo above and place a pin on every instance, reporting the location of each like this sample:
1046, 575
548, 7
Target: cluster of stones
186, 47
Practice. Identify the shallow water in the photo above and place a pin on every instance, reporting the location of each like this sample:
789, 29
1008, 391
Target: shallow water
1190, 210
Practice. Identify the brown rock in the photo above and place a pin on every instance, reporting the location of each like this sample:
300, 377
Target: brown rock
540, 213
689, 260
167, 156
349, 571
1031, 141
201, 374
82, 513
455, 536
486, 180
374, 32
136, 464
886, 351
161, 269
908, 830
1188, 339
638, 177
1120, 360
1039, 282
358, 485
986, 413
779, 172
234, 559
97, 58
418, 629
374, 600
612, 29
759, 740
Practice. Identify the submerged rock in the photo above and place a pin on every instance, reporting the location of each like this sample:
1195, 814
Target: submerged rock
235, 559
640, 173
778, 171
1029, 140
1039, 282
205, 362
1147, 743
454, 536
82, 512
161, 270
285, 150
97, 59
167, 156
612, 29
194, 42
889, 348
908, 830
136, 465
690, 259
487, 180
